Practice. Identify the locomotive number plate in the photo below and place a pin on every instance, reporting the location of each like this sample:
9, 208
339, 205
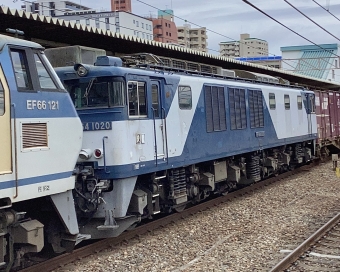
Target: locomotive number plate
90, 126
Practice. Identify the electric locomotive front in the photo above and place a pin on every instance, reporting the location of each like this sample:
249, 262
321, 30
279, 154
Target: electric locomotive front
40, 141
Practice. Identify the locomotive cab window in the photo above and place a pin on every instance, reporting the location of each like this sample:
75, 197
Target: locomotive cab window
98, 92
272, 102
287, 101
45, 79
2, 100
137, 98
299, 102
184, 97
21, 69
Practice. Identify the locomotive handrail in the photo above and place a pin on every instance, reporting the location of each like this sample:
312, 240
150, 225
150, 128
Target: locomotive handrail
154, 133
15, 152
105, 168
165, 134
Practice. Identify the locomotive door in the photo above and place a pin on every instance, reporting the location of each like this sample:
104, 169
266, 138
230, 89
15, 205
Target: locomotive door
159, 125
5, 127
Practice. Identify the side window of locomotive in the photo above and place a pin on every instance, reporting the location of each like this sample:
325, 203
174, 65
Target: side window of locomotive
237, 107
287, 101
255, 102
137, 98
184, 97
155, 99
299, 102
22, 74
215, 108
44, 77
2, 100
272, 102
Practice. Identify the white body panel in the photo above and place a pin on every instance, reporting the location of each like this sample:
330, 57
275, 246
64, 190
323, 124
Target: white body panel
59, 157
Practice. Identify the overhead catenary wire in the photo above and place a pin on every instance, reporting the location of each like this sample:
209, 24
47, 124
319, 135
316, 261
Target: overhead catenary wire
326, 10
225, 36
260, 10
311, 20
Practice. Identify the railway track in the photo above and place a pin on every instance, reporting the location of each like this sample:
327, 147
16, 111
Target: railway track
320, 252
96, 247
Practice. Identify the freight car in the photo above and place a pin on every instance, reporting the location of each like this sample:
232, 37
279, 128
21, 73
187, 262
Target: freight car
147, 141
156, 140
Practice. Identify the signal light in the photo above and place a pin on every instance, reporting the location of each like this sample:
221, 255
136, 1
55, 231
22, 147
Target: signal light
98, 153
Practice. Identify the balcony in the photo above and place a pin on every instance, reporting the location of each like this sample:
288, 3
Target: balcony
158, 31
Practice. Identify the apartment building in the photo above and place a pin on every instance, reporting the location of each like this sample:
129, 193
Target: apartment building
193, 38
121, 5
245, 47
164, 27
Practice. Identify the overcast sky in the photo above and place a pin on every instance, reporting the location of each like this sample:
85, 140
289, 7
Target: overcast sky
230, 18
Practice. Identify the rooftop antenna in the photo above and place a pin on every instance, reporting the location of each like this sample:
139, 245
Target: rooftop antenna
327, 4
171, 4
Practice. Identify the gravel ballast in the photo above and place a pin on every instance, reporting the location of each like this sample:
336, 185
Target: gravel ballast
246, 234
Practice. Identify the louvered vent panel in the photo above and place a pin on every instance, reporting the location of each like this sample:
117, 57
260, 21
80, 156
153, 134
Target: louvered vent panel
232, 108
208, 108
215, 104
221, 100
243, 109
34, 135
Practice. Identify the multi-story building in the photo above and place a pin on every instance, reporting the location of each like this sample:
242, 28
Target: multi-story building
116, 21
164, 27
318, 61
54, 8
245, 47
194, 38
121, 5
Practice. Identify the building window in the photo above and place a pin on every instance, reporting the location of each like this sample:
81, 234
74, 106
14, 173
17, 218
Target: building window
299, 102
142, 25
87, 22
166, 24
287, 101
134, 21
137, 23
137, 98
184, 97
97, 23
77, 21
272, 102
215, 108
167, 33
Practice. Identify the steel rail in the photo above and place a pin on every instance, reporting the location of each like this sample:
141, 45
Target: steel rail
296, 253
96, 247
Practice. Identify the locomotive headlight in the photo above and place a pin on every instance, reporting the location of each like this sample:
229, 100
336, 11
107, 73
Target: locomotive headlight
85, 154
98, 153
81, 69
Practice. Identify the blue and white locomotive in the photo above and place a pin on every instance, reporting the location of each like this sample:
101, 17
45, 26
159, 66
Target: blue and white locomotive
157, 140
41, 136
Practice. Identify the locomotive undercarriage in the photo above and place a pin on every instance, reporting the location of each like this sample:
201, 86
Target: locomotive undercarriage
106, 208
